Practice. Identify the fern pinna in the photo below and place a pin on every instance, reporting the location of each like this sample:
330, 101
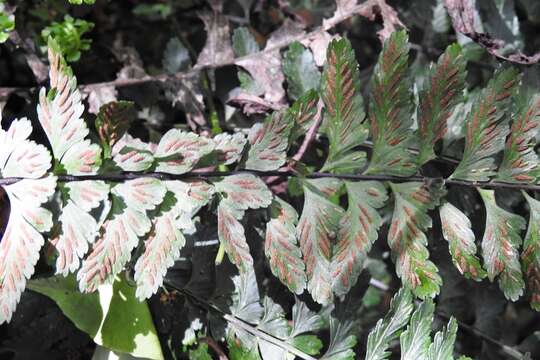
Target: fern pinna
97, 203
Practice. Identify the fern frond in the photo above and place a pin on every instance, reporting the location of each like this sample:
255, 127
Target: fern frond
126, 222
317, 230
302, 113
407, 237
166, 239
281, 246
22, 240
229, 148
269, 143
390, 110
387, 329
357, 232
520, 161
486, 128
178, 151
79, 227
530, 257
442, 347
500, 246
444, 90
132, 154
456, 229
415, 340
344, 116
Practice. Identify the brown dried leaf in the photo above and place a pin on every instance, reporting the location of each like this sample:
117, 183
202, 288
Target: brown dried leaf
462, 13
218, 47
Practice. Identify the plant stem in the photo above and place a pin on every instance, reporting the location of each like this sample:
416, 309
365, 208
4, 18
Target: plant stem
316, 175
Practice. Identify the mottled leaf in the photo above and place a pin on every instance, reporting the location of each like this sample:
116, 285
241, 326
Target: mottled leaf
232, 235
21, 240
444, 90
344, 116
415, 341
163, 245
229, 147
317, 231
112, 122
407, 238
131, 154
79, 227
244, 191
387, 329
500, 246
179, 151
357, 232
456, 229
126, 222
300, 70
530, 257
303, 113
281, 246
59, 112
486, 128
520, 161
269, 143
390, 110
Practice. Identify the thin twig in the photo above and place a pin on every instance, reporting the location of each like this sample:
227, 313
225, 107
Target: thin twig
361, 9
311, 134
316, 175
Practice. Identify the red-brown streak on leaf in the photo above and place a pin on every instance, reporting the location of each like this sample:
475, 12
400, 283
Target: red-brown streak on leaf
231, 235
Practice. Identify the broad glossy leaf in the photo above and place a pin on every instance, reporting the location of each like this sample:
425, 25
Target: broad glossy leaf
390, 110
357, 232
444, 90
415, 341
407, 237
178, 151
387, 329
79, 227
500, 246
22, 240
456, 229
486, 127
126, 222
281, 246
530, 257
317, 231
300, 70
344, 117
442, 347
520, 161
269, 143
